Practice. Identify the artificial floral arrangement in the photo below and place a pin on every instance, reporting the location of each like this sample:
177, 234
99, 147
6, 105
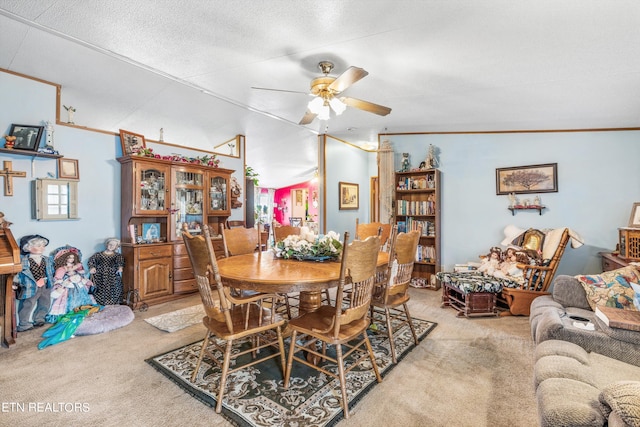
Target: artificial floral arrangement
308, 246
204, 160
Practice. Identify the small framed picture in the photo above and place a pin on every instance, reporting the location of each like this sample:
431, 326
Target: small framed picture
131, 142
68, 169
27, 136
151, 232
349, 197
634, 220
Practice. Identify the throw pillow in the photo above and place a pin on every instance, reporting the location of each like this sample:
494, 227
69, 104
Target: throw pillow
611, 288
551, 242
623, 398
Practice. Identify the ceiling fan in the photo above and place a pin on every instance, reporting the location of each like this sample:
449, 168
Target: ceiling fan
325, 90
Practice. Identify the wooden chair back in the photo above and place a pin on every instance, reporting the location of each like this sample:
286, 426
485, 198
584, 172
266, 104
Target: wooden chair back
235, 224
404, 254
204, 266
281, 233
358, 269
365, 230
240, 241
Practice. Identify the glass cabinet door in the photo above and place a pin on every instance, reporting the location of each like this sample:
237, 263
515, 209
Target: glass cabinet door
218, 194
188, 202
151, 184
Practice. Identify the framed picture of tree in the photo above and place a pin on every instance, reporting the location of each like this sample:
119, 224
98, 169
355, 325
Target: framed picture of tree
527, 179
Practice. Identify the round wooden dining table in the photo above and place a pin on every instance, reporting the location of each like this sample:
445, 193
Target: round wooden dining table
264, 272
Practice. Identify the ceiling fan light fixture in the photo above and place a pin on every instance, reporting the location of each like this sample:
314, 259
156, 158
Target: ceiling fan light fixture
315, 105
337, 106
324, 113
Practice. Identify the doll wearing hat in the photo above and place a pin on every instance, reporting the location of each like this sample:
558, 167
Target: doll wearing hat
33, 284
71, 287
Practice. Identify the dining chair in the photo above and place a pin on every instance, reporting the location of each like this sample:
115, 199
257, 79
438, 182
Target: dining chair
229, 320
364, 230
390, 295
340, 324
240, 240
279, 234
235, 224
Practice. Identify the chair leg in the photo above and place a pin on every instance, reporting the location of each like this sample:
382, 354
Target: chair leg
392, 344
410, 320
281, 349
372, 357
223, 375
292, 349
343, 380
205, 342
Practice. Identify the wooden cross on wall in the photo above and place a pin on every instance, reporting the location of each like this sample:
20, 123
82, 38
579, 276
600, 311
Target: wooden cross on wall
8, 176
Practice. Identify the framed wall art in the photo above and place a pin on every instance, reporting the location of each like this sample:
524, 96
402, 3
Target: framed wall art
68, 169
131, 141
634, 220
27, 136
349, 197
527, 179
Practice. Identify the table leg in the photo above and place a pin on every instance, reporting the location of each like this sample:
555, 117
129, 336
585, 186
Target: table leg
310, 301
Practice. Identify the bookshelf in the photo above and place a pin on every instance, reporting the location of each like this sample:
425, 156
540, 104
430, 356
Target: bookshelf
417, 203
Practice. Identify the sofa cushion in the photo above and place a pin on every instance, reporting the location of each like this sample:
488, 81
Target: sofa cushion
620, 334
567, 402
623, 398
569, 292
561, 348
611, 288
555, 366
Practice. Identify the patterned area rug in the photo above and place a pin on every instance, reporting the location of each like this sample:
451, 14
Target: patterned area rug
179, 319
255, 396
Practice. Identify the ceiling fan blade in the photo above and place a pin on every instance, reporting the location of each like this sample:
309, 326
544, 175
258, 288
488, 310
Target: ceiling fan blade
346, 79
380, 110
279, 90
308, 118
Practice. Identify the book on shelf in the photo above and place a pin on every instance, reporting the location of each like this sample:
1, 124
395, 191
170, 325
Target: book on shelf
619, 318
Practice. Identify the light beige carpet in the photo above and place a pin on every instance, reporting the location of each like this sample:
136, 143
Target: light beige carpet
179, 319
467, 372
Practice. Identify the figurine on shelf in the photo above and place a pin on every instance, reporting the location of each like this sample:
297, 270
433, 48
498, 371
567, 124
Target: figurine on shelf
513, 200
70, 111
33, 284
10, 141
106, 273
405, 162
3, 222
431, 161
536, 201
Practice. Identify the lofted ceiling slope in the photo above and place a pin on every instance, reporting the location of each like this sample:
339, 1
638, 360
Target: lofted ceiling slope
188, 66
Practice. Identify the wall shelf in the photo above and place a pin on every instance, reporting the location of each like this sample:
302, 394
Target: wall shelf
526, 208
30, 153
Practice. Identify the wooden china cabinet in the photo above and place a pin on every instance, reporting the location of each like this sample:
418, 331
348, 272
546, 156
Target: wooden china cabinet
158, 198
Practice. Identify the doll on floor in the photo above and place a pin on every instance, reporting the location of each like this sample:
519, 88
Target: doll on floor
71, 287
33, 284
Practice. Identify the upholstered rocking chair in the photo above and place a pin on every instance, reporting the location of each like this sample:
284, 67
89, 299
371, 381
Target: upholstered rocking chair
537, 279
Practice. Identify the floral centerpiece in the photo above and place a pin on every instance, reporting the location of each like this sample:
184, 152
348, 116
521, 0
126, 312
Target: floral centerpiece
308, 246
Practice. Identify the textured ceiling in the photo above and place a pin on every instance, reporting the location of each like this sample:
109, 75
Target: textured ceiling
189, 66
